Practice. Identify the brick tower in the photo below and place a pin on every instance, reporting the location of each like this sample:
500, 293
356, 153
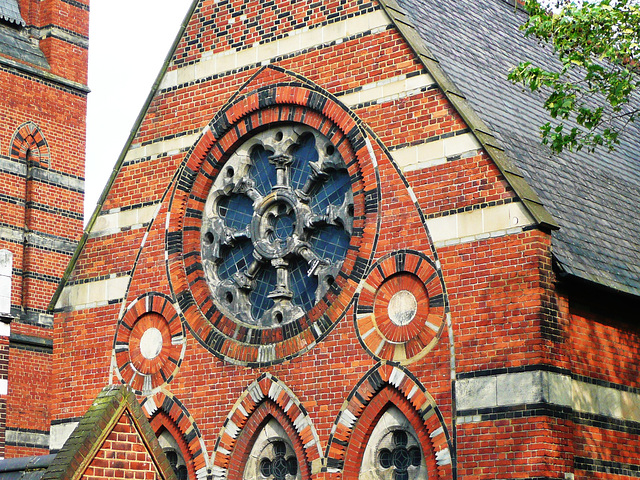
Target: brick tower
43, 77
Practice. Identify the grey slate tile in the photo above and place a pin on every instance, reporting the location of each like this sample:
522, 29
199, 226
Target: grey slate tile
594, 197
10, 12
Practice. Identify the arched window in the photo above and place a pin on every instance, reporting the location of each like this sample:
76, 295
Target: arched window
174, 445
173, 452
272, 456
393, 451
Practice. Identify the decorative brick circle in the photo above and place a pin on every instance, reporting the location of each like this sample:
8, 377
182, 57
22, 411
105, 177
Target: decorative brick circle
224, 334
149, 344
400, 312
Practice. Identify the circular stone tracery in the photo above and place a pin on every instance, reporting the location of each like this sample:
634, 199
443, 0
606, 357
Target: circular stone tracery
277, 226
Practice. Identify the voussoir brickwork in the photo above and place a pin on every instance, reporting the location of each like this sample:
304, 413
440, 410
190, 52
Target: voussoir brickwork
317, 260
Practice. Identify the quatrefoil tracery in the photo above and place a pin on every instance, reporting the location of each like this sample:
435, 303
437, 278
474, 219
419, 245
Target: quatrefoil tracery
277, 225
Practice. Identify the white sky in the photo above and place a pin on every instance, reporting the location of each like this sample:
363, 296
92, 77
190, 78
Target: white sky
129, 40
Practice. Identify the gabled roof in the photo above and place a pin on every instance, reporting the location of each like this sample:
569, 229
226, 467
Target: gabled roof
87, 439
593, 196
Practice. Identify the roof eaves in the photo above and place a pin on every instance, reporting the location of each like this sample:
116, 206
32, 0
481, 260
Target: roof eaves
482, 132
86, 440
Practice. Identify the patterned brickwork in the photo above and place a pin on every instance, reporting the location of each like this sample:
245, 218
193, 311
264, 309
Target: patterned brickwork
164, 410
267, 396
466, 334
42, 146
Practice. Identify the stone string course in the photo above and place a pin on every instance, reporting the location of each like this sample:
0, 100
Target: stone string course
424, 187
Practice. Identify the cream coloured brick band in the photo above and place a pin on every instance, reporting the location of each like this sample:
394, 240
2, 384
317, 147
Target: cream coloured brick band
523, 388
60, 432
114, 222
93, 294
297, 40
479, 224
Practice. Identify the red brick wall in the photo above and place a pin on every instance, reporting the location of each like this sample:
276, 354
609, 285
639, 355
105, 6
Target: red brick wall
502, 293
122, 455
46, 202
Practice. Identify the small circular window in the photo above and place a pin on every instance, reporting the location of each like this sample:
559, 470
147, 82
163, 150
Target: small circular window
277, 226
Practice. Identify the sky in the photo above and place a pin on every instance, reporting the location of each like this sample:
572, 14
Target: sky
128, 42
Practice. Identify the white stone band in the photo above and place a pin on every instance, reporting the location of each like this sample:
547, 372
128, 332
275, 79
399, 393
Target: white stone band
533, 387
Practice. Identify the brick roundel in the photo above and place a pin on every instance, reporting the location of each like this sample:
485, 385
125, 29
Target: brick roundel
267, 396
401, 310
230, 339
149, 343
164, 410
384, 386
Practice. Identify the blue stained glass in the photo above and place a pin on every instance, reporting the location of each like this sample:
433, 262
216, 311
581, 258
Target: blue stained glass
284, 226
235, 259
302, 286
330, 243
262, 172
276, 226
302, 156
266, 281
237, 211
332, 192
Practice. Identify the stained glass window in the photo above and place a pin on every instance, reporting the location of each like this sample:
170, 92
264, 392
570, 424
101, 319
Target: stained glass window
277, 225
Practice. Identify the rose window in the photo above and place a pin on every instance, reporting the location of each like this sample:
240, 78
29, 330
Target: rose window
277, 226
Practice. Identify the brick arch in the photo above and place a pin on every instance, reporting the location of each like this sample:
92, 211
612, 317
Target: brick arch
260, 416
266, 397
247, 113
29, 139
162, 421
164, 410
382, 387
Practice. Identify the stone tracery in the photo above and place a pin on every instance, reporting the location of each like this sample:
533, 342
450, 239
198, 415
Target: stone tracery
277, 225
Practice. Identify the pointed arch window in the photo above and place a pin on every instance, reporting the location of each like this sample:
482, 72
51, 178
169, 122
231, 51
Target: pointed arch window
174, 446
174, 454
393, 451
272, 456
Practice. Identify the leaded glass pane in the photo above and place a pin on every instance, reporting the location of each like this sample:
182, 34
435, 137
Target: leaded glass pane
277, 225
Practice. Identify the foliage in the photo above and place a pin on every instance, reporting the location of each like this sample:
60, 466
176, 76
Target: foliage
598, 46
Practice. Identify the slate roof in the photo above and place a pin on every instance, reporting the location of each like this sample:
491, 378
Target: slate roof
15, 42
10, 12
594, 197
18, 45
25, 468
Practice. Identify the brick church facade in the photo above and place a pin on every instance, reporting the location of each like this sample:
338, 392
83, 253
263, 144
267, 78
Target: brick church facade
334, 248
